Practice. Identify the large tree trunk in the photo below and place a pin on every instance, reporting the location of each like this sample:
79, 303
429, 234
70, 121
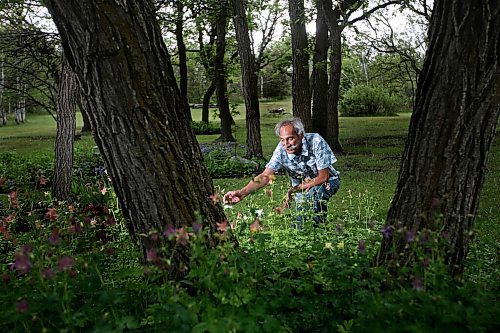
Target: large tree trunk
332, 19
451, 130
66, 123
140, 121
250, 80
226, 120
301, 95
320, 75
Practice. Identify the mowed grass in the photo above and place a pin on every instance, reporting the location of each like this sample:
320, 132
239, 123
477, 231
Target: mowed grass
37, 135
369, 166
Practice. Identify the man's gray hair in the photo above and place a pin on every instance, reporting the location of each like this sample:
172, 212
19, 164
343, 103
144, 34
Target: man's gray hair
298, 127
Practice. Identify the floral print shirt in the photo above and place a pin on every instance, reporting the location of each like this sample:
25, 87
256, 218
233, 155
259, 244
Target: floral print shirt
316, 155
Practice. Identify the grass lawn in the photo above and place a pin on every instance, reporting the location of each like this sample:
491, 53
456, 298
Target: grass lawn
369, 167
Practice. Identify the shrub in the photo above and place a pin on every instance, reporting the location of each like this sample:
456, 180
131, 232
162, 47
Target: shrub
200, 127
222, 160
362, 100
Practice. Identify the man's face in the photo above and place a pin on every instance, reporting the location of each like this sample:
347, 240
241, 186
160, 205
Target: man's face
290, 140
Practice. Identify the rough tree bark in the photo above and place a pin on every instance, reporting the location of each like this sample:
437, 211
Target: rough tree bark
451, 130
66, 123
320, 75
140, 121
250, 80
301, 95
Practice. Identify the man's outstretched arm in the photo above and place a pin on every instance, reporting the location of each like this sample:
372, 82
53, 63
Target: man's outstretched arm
258, 182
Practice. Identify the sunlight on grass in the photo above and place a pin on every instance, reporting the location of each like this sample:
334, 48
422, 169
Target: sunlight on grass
36, 135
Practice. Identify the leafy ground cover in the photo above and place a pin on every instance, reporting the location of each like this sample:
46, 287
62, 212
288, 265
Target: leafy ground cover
72, 267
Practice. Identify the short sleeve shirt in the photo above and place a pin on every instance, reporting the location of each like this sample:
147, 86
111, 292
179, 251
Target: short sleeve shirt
316, 155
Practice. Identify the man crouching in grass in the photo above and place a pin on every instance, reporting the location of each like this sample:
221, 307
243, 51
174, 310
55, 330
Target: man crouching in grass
308, 160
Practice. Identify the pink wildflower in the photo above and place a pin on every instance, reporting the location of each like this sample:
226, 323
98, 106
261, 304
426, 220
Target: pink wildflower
22, 306
48, 273
13, 199
197, 227
65, 263
215, 198
4, 231
42, 180
9, 218
279, 210
417, 284
222, 227
255, 226
22, 263
54, 238
75, 227
169, 231
51, 214
182, 236
151, 255
111, 220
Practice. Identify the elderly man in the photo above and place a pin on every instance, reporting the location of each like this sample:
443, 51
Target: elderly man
308, 160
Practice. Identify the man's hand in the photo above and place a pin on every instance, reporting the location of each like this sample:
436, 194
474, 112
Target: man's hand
233, 197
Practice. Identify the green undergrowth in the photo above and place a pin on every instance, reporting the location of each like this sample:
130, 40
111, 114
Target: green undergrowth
74, 268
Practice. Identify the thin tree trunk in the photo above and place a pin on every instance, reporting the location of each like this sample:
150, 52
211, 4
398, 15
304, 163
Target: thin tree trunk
208, 62
451, 130
141, 123
87, 127
333, 91
226, 120
250, 82
301, 95
205, 112
3, 114
66, 122
332, 18
320, 75
181, 49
